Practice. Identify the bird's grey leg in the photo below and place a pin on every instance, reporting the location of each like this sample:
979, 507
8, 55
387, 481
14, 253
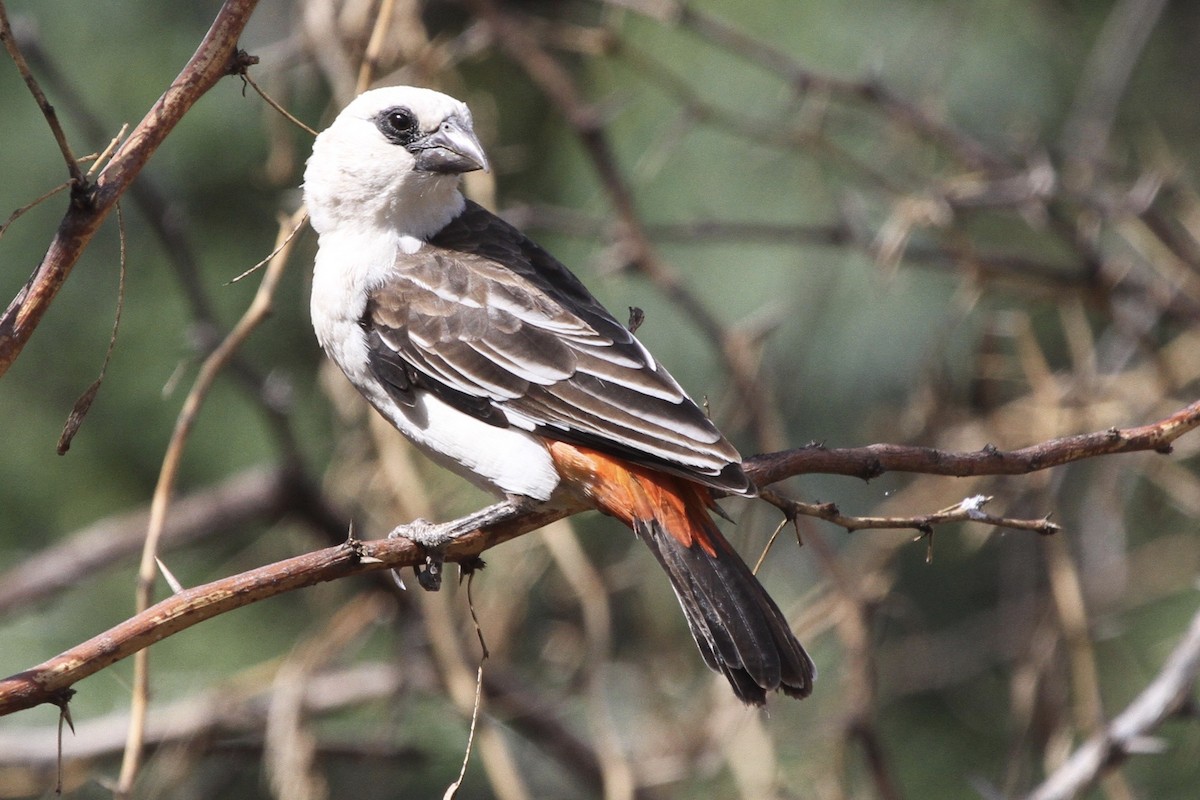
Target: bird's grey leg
435, 538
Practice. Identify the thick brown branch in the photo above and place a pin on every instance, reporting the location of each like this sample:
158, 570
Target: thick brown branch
876, 459
51, 681
215, 57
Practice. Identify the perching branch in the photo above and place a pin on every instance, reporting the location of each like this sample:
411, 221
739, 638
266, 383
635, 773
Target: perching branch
51, 681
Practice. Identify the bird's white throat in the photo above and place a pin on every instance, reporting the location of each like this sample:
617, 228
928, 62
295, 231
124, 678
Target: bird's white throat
416, 205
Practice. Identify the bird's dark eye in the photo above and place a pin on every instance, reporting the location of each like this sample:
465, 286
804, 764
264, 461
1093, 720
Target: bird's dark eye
398, 124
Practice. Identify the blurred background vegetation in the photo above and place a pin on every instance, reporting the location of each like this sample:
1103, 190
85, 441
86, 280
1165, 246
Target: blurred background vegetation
941, 222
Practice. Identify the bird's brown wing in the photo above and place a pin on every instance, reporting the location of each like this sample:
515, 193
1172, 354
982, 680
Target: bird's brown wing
494, 325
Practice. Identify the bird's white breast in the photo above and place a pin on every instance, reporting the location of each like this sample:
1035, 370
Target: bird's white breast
505, 460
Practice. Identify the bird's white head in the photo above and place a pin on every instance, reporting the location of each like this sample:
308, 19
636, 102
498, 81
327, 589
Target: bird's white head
392, 160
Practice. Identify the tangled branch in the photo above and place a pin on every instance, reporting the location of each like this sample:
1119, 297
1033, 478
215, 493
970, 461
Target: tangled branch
216, 57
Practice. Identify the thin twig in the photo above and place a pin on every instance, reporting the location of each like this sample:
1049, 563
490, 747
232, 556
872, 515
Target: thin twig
84, 403
289, 116
770, 540
969, 510
101, 159
14, 216
60, 137
452, 790
301, 219
259, 308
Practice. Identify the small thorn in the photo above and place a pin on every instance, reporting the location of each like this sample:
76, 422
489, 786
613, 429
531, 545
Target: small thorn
172, 581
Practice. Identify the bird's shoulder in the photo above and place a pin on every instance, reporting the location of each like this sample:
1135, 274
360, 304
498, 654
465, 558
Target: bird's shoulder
486, 240
480, 277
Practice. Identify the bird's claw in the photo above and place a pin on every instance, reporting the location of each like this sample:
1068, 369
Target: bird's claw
436, 538
429, 574
433, 541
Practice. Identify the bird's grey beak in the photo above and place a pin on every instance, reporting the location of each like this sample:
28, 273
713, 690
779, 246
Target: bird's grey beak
451, 149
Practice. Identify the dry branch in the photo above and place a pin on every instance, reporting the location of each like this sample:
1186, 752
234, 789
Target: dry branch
216, 57
876, 459
51, 681
1127, 734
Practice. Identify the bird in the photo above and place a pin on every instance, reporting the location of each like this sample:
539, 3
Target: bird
498, 363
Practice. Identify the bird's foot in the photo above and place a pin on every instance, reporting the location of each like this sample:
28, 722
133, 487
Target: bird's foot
434, 539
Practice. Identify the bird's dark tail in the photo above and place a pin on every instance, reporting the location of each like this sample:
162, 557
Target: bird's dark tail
740, 631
